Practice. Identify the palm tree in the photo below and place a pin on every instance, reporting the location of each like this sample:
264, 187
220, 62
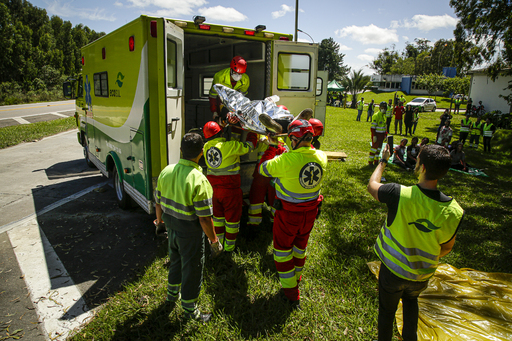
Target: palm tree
354, 83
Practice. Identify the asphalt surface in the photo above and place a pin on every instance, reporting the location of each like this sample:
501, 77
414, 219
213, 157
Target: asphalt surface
65, 246
11, 115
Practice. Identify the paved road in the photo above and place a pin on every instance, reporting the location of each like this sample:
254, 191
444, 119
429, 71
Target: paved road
35, 112
65, 246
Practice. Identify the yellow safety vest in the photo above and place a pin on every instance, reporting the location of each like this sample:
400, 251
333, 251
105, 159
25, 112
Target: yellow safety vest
223, 157
389, 111
224, 77
379, 122
465, 125
476, 128
411, 245
487, 130
360, 106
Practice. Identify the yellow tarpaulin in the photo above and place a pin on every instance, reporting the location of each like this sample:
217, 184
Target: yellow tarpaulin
463, 304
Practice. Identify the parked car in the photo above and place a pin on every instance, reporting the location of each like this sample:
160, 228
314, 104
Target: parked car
424, 104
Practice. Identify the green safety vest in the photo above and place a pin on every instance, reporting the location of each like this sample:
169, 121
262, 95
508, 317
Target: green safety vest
411, 245
184, 192
224, 77
379, 122
465, 125
457, 102
389, 111
487, 130
298, 174
223, 157
360, 106
476, 128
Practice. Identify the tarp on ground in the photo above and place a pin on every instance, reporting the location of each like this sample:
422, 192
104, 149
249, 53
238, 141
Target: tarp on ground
462, 304
335, 86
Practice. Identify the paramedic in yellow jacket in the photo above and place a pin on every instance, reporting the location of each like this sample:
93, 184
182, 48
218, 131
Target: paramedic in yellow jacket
419, 229
233, 77
299, 174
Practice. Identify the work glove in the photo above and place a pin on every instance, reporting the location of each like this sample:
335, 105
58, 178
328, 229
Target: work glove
216, 248
160, 229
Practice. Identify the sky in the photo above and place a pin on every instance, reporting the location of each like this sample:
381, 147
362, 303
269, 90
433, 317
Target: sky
361, 28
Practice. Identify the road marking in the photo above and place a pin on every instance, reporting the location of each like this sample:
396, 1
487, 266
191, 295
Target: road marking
20, 120
58, 301
41, 106
57, 114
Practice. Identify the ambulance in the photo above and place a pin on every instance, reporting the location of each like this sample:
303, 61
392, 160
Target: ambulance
146, 84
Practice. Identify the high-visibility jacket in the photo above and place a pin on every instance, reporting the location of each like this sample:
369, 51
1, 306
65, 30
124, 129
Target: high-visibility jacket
224, 77
184, 192
487, 130
360, 105
378, 123
457, 102
389, 111
411, 245
298, 174
223, 157
465, 125
476, 128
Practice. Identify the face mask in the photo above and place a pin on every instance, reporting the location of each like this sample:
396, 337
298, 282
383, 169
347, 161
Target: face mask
236, 76
383, 110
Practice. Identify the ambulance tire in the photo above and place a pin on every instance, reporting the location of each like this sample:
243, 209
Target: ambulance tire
123, 199
86, 154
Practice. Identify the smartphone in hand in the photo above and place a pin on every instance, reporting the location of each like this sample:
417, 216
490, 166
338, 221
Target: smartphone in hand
390, 142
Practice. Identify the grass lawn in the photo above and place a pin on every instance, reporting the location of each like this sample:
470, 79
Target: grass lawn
339, 293
13, 135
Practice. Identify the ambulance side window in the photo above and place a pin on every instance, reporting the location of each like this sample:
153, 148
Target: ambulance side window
319, 86
207, 84
172, 80
293, 71
101, 84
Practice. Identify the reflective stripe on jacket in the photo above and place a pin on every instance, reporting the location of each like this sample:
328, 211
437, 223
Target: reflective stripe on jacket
379, 122
465, 125
411, 245
487, 130
223, 157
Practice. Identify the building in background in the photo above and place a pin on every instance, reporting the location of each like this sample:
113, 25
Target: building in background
484, 89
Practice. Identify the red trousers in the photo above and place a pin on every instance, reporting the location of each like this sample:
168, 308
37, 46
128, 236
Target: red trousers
260, 188
376, 147
291, 235
227, 211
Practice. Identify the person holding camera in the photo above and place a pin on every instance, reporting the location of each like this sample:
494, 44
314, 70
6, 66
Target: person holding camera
183, 199
420, 228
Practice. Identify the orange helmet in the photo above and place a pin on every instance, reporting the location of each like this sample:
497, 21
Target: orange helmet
317, 125
210, 129
299, 128
238, 64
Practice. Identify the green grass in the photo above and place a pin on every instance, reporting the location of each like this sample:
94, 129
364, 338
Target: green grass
441, 101
13, 135
339, 293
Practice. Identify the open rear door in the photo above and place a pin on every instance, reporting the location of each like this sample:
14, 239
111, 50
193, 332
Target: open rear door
174, 77
294, 72
321, 95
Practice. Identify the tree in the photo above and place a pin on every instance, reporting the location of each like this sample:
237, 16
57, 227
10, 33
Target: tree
432, 82
457, 85
331, 60
384, 61
354, 84
489, 23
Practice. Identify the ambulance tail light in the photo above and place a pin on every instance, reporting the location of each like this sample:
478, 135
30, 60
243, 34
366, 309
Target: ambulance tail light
131, 43
153, 28
204, 27
83, 61
284, 38
249, 33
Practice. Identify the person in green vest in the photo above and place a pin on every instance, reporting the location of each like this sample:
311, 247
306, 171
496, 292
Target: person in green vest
457, 106
488, 131
360, 107
476, 131
465, 128
183, 199
389, 114
420, 228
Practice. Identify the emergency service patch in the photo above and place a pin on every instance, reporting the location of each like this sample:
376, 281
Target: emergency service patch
310, 175
214, 157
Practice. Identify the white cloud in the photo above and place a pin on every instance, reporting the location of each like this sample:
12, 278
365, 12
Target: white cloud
406, 38
373, 50
426, 22
369, 34
345, 48
118, 4
66, 10
220, 13
284, 9
170, 8
366, 57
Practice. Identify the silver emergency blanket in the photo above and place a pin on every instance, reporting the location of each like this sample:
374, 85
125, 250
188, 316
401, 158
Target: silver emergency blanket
248, 111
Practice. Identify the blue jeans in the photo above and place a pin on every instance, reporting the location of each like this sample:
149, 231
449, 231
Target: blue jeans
359, 112
391, 289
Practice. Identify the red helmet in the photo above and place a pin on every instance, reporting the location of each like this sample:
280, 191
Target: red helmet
283, 107
238, 64
317, 125
299, 128
211, 128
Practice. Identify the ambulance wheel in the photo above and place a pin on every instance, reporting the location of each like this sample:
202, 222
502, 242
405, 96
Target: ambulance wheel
123, 199
87, 159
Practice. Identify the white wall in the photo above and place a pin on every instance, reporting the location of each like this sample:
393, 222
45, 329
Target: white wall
485, 90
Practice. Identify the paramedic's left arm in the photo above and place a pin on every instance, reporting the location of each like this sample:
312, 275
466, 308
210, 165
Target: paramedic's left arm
374, 183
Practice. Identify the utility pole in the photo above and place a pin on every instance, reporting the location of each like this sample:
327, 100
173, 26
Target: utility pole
296, 18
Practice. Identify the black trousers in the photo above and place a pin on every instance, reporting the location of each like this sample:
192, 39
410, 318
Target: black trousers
487, 144
391, 290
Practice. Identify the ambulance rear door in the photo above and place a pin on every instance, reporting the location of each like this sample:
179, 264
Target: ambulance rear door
321, 95
294, 73
175, 79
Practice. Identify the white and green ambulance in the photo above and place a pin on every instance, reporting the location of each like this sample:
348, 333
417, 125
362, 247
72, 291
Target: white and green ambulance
146, 84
